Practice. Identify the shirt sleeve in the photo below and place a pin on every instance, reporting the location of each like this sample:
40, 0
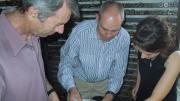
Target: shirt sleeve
68, 60
2, 84
119, 66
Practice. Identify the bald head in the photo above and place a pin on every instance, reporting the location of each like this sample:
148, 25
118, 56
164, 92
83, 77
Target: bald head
111, 15
109, 21
113, 8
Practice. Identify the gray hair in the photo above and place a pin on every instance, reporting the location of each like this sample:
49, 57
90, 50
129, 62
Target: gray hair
48, 7
111, 3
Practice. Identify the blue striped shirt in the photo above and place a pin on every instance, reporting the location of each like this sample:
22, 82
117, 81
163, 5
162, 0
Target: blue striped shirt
92, 60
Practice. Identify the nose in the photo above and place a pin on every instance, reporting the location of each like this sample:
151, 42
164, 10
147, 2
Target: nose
144, 56
59, 29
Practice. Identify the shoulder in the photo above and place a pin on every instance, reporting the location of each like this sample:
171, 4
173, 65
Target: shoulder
85, 25
173, 60
123, 30
124, 37
84, 29
124, 33
175, 56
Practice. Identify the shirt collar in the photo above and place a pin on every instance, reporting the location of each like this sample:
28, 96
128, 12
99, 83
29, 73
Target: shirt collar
15, 40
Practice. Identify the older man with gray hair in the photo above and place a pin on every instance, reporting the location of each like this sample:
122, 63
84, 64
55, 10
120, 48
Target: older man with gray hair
22, 76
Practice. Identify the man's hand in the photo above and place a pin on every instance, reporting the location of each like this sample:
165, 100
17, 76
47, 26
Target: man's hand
74, 95
53, 96
108, 97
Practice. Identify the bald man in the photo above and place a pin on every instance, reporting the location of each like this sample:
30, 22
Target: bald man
94, 58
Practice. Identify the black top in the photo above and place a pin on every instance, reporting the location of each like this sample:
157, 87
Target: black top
151, 72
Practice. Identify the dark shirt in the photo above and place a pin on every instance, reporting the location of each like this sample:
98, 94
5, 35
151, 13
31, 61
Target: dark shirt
151, 72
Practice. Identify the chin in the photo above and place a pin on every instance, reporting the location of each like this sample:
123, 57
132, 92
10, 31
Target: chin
45, 34
106, 39
42, 35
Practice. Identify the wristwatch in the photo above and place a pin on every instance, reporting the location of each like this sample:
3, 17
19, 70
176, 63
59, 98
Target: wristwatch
50, 91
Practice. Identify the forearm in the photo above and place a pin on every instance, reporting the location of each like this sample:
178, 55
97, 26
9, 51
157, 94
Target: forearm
153, 99
164, 86
168, 78
138, 79
65, 77
116, 79
161, 90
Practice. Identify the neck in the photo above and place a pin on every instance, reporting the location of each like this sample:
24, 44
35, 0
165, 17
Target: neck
20, 23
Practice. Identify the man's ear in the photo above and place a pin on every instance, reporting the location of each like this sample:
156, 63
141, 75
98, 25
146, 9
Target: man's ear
97, 17
32, 12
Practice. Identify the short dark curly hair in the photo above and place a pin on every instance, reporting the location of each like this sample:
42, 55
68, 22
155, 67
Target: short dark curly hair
155, 35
